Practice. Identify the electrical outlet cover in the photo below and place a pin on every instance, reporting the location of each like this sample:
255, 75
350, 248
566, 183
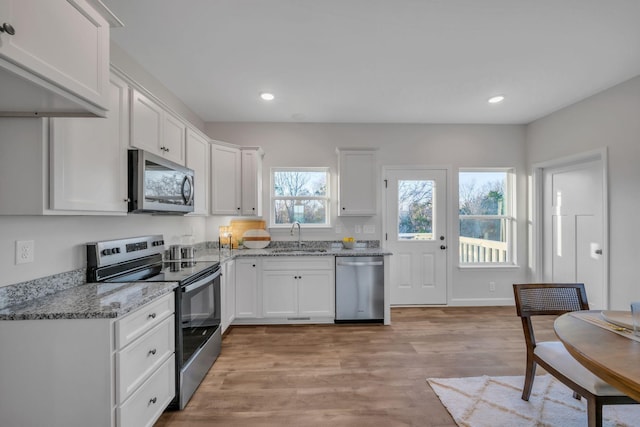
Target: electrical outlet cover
24, 251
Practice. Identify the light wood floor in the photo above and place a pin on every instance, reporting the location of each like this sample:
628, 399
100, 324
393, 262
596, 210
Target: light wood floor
354, 375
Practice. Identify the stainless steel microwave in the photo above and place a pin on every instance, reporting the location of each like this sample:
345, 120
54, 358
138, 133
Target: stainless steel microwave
158, 185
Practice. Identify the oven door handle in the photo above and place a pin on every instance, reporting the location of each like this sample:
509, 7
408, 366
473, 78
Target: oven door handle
203, 282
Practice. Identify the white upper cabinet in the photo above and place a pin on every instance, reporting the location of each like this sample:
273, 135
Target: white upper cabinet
156, 130
357, 181
173, 138
225, 180
54, 58
251, 181
198, 160
89, 157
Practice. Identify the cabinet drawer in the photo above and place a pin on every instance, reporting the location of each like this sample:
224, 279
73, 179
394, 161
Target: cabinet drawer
137, 361
298, 263
140, 321
146, 405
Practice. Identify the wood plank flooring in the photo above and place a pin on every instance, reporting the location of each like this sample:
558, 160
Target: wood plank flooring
354, 375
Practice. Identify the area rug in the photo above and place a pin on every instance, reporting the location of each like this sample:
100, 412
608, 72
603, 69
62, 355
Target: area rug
495, 402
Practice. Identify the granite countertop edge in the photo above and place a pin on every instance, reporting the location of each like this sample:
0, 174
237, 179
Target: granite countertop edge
215, 255
90, 301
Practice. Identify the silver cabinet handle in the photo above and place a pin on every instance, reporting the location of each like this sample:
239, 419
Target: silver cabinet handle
152, 352
152, 316
153, 401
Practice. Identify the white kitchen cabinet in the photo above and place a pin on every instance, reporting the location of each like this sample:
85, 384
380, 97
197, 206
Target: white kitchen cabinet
228, 285
247, 288
280, 293
89, 372
251, 181
57, 60
174, 138
197, 158
298, 288
357, 182
89, 157
156, 130
225, 180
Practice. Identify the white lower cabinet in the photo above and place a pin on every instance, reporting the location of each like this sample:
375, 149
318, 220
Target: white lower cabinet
89, 372
247, 295
146, 404
228, 285
298, 288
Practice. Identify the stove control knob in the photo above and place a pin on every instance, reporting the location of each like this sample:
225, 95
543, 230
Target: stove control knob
115, 251
106, 252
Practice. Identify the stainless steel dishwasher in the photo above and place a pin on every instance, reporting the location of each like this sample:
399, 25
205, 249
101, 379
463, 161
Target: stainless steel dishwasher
359, 289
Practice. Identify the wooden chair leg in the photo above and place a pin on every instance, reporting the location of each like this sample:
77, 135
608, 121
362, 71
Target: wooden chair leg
529, 376
594, 413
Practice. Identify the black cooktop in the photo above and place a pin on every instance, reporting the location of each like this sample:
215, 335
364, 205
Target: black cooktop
168, 271
181, 271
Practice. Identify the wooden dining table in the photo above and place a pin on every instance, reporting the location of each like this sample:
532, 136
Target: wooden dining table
612, 356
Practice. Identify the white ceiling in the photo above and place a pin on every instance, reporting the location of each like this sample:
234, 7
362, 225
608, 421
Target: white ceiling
382, 61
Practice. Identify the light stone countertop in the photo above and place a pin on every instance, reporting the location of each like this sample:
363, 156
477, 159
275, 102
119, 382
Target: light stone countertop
223, 256
113, 300
89, 301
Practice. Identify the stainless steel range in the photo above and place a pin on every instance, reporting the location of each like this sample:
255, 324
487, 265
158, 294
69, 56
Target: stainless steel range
198, 333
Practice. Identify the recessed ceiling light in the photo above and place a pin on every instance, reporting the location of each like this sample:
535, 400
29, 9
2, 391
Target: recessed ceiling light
267, 96
496, 99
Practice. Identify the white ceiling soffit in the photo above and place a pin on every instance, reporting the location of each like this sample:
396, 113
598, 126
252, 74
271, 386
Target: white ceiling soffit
382, 61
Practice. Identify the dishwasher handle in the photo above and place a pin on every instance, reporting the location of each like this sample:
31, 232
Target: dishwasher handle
360, 263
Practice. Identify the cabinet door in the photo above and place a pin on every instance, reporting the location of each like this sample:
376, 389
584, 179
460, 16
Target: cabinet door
280, 293
146, 123
63, 42
198, 159
316, 293
358, 182
89, 157
225, 180
247, 288
173, 138
251, 182
229, 312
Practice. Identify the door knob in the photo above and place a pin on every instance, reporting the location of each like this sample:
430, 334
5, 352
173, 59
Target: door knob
8, 28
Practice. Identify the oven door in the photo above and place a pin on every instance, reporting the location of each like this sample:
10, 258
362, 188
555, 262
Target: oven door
199, 316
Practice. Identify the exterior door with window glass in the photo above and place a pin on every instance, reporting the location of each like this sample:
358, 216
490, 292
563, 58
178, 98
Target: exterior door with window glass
416, 225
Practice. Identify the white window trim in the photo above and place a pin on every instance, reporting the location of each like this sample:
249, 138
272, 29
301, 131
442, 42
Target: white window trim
273, 197
511, 240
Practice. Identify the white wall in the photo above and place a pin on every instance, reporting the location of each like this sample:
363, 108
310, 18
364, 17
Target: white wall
59, 241
453, 146
609, 119
142, 77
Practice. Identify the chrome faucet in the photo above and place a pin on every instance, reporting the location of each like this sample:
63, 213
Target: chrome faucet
299, 233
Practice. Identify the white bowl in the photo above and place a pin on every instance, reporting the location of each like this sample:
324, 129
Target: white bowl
256, 239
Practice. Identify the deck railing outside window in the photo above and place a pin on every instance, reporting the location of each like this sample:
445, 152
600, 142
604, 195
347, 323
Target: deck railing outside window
482, 251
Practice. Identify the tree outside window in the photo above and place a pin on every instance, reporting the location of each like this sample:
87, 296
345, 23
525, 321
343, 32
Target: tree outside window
486, 221
300, 194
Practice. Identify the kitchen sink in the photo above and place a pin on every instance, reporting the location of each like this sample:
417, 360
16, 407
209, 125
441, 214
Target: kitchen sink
298, 250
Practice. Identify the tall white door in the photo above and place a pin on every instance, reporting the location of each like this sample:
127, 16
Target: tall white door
573, 228
415, 231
